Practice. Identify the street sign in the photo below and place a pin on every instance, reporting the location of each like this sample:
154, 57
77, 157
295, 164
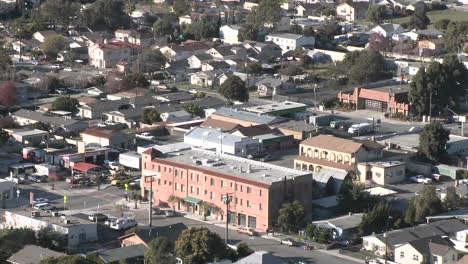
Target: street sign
65, 199
31, 197
18, 192
126, 186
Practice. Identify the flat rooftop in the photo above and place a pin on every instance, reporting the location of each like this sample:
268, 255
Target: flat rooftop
384, 164
30, 132
388, 86
267, 108
409, 141
232, 165
47, 217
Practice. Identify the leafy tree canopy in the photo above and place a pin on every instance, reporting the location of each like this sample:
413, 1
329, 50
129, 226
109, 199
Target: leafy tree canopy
291, 216
376, 14
160, 251
65, 104
432, 141
234, 89
150, 115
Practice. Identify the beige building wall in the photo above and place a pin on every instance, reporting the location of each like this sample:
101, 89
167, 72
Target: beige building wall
406, 254
381, 175
372, 244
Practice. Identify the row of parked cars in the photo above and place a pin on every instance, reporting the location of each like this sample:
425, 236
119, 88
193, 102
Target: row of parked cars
113, 223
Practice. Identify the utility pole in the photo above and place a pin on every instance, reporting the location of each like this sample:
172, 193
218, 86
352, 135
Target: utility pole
227, 201
150, 210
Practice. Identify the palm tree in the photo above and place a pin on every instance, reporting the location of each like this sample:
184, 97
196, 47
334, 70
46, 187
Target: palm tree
174, 199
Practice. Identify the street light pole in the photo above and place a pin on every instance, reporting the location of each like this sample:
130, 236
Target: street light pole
150, 210
227, 201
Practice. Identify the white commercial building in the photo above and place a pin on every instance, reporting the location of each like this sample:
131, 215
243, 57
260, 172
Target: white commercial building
289, 41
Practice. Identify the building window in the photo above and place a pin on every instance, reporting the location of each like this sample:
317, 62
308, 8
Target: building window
152, 166
170, 170
402, 254
176, 173
159, 181
249, 190
198, 177
165, 182
182, 174
241, 188
212, 182
378, 174
146, 165
235, 187
206, 178
198, 190
248, 203
170, 183
223, 184
235, 200
191, 189
434, 259
415, 257
182, 188
231, 184
211, 196
240, 201
260, 193
206, 192
176, 186
159, 168
260, 207
164, 169
191, 176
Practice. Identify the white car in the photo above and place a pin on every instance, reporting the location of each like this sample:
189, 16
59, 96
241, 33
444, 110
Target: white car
56, 66
113, 165
122, 224
146, 135
420, 179
44, 206
101, 124
192, 91
40, 201
68, 69
110, 122
288, 242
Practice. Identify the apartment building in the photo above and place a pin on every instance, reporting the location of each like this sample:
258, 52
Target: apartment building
192, 178
108, 54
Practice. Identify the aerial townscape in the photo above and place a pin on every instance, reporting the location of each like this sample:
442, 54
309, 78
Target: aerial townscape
233, 131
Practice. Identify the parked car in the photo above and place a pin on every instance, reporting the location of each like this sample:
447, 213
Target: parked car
436, 177
61, 91
97, 217
110, 122
122, 224
247, 231
101, 124
344, 126
113, 165
56, 66
158, 211
289, 242
146, 135
74, 90
192, 91
44, 206
169, 213
68, 69
267, 157
109, 221
420, 179
136, 183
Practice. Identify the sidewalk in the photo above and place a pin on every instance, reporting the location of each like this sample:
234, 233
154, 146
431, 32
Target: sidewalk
336, 253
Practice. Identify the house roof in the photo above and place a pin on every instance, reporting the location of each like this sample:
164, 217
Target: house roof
203, 56
286, 36
247, 116
99, 132
211, 135
84, 167
214, 123
171, 232
433, 245
324, 175
86, 100
260, 257
257, 130
208, 102
388, 27
342, 222
32, 254
114, 255
179, 96
53, 120
333, 143
189, 45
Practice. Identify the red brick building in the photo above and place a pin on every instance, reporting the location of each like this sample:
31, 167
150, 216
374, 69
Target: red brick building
392, 99
199, 177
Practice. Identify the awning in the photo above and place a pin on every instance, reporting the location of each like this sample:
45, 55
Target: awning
84, 167
190, 199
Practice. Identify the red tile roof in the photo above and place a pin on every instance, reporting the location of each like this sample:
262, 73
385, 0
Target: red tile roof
84, 167
374, 95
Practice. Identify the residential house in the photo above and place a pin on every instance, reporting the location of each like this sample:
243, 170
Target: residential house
249, 79
133, 93
175, 97
434, 250
249, 5
390, 97
260, 257
377, 243
94, 110
209, 138
95, 91
324, 151
307, 9
25, 45
109, 53
352, 11
145, 236
132, 116
289, 41
174, 52
30, 137
229, 34
106, 138
219, 124
176, 116
381, 172
144, 39
431, 45
27, 117
227, 52
414, 5
41, 36
182, 173
272, 86
262, 51
344, 227
319, 57
205, 78
388, 30
196, 61
32, 254
271, 139
215, 65
131, 254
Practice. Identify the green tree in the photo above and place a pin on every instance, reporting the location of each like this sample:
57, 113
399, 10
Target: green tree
456, 36
376, 14
204, 29
452, 202
291, 216
68, 104
442, 24
129, 6
295, 29
5, 60
376, 219
12, 240
41, 126
136, 79
194, 109
419, 19
108, 13
234, 89
248, 32
363, 66
150, 115
163, 27
181, 7
251, 67
61, 11
410, 212
151, 61
199, 95
243, 250
427, 203
309, 31
433, 141
160, 251
53, 45
291, 70
4, 136
48, 238
419, 93
198, 245
352, 197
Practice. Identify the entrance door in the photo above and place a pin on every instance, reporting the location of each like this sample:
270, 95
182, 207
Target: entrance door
242, 219
253, 222
232, 217
369, 175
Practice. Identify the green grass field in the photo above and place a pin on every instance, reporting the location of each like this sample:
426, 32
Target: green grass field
435, 15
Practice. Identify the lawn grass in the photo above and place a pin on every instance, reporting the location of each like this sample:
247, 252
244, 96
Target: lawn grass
453, 15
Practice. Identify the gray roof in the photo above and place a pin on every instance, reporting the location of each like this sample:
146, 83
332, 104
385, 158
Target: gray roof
117, 254
269, 82
286, 35
260, 257
342, 222
30, 132
247, 116
211, 135
387, 27
324, 175
31, 254
208, 102
429, 32
326, 202
55, 121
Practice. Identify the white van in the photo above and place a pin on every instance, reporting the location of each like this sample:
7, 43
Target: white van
361, 129
122, 224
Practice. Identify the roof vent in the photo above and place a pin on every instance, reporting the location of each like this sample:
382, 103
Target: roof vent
266, 175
